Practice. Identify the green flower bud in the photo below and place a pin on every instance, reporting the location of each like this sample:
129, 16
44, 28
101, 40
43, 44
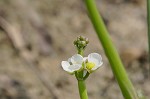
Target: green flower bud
81, 42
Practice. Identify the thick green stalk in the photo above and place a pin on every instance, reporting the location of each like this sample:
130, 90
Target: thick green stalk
113, 57
82, 89
148, 24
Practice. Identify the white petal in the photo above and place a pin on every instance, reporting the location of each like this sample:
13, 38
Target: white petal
84, 73
85, 58
97, 66
69, 60
95, 58
73, 68
65, 65
76, 59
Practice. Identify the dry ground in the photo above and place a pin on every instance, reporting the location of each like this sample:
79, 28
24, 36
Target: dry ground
63, 21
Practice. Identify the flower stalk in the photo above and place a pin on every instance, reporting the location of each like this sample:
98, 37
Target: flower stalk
120, 74
81, 66
82, 89
81, 44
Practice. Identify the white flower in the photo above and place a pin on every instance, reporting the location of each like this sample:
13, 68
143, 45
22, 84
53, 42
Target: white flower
73, 64
87, 64
94, 61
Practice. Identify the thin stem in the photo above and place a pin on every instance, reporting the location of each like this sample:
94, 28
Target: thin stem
82, 89
113, 57
80, 51
148, 24
81, 82
80, 73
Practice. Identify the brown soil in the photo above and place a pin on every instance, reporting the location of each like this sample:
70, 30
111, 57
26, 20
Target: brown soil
63, 21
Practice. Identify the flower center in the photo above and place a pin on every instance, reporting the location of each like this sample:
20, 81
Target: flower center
90, 65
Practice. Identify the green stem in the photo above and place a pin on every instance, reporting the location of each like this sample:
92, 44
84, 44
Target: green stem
80, 51
113, 57
81, 83
148, 24
80, 73
82, 89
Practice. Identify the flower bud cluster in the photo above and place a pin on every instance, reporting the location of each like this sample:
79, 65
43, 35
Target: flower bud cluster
81, 42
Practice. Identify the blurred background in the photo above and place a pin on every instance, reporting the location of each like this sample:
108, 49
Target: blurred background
36, 35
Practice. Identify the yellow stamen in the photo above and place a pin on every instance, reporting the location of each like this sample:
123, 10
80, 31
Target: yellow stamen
90, 65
